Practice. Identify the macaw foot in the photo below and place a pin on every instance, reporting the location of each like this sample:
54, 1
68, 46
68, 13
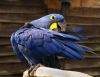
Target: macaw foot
32, 69
30, 72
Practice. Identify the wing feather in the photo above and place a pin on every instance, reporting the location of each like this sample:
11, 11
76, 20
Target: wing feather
43, 42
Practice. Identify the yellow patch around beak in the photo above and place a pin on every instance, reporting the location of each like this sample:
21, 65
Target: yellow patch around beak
53, 26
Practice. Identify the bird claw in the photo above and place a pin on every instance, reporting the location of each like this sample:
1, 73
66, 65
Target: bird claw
32, 69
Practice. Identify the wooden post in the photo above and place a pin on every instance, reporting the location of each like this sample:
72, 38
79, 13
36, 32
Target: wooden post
51, 72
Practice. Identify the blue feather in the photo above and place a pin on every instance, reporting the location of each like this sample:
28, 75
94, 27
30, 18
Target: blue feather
68, 52
17, 51
73, 46
51, 47
42, 52
72, 54
70, 37
77, 29
62, 35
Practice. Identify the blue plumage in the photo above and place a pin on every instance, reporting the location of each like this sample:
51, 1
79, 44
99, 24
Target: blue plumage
38, 44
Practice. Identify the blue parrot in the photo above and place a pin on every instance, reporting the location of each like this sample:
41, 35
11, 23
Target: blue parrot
39, 42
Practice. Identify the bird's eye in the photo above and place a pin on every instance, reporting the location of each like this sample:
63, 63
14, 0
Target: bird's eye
52, 17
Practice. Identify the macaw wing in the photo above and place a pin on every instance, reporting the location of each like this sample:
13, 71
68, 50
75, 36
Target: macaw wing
46, 42
77, 31
16, 50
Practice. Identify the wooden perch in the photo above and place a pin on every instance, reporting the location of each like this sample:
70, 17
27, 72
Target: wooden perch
42, 71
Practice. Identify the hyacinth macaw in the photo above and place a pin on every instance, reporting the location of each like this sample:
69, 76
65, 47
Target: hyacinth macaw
39, 42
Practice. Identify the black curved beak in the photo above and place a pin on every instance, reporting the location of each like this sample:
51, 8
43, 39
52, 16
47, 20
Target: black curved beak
58, 26
62, 26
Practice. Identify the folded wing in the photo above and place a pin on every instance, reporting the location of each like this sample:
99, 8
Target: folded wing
41, 43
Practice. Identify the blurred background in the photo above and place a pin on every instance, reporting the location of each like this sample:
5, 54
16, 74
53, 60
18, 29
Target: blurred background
85, 13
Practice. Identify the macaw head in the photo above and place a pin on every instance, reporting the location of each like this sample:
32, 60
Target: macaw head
51, 22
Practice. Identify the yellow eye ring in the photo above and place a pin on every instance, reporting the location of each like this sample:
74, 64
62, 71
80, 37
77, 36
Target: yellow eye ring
52, 17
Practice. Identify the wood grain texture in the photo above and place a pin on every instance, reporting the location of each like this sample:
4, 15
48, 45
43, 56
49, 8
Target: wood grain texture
91, 3
55, 4
13, 15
